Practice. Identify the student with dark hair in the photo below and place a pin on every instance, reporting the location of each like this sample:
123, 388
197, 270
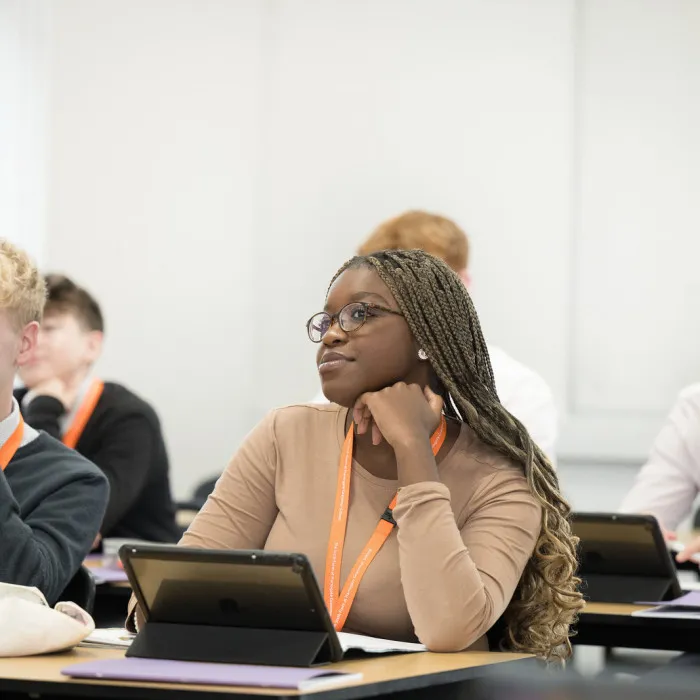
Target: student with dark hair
51, 499
424, 506
104, 421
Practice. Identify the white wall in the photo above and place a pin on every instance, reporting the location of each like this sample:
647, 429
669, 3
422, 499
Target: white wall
212, 163
153, 157
25, 27
376, 107
635, 289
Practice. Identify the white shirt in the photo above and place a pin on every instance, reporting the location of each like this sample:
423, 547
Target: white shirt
9, 424
526, 395
668, 483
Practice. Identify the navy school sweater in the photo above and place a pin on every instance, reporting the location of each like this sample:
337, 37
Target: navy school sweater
52, 502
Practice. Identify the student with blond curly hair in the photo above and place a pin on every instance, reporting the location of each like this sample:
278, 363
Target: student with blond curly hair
52, 500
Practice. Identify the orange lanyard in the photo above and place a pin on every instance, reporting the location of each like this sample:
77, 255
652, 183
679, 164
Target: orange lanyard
7, 451
87, 407
339, 606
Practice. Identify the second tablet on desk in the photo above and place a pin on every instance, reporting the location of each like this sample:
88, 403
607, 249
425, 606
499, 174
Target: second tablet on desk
624, 558
244, 607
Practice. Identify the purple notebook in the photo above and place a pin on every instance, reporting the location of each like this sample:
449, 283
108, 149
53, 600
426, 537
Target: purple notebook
162, 671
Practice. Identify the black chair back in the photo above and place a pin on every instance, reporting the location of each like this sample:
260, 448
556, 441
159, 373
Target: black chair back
497, 634
81, 590
201, 493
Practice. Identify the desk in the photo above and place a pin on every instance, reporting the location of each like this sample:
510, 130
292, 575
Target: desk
416, 675
612, 625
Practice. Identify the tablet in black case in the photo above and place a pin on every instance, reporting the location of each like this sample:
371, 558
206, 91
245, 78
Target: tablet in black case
624, 558
244, 607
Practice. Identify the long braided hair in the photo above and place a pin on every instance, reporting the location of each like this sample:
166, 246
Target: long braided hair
444, 322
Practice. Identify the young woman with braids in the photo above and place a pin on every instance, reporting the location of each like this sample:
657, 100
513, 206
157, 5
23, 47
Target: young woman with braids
476, 526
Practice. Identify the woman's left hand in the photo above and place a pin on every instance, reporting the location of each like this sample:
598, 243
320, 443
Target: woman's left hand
403, 414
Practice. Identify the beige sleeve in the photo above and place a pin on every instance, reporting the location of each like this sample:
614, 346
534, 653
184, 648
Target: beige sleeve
241, 510
458, 583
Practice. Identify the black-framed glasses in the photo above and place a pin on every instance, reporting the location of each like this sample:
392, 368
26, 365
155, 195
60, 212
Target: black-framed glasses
351, 317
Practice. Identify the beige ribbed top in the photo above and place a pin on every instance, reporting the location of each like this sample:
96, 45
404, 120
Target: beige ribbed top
446, 573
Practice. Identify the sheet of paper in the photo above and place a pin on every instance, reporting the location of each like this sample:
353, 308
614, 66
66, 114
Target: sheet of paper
109, 637
374, 645
689, 600
671, 612
120, 638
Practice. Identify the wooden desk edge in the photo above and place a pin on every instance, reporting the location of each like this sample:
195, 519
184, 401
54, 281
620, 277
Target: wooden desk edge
394, 673
612, 609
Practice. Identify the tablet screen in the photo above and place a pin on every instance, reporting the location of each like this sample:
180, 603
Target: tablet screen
224, 593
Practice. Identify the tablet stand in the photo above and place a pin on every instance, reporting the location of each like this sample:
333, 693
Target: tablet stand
233, 645
610, 588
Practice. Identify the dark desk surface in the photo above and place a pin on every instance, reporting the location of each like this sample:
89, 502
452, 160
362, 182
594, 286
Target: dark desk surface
383, 675
612, 625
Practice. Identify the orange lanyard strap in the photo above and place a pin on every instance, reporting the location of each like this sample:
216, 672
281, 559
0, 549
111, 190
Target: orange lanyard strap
339, 606
87, 408
11, 445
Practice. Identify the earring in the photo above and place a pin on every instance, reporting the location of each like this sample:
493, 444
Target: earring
422, 354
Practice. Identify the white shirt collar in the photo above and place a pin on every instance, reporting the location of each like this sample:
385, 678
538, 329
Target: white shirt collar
66, 420
9, 424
